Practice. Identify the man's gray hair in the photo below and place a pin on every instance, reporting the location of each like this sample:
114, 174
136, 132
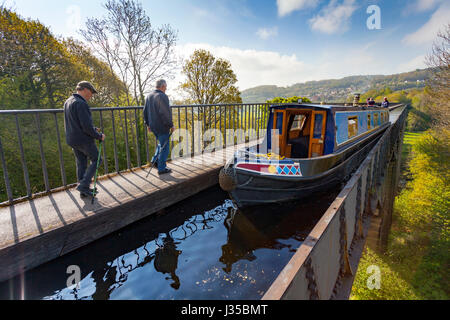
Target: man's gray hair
160, 83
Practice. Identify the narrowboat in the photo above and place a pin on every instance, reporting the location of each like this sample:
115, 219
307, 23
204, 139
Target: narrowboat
306, 148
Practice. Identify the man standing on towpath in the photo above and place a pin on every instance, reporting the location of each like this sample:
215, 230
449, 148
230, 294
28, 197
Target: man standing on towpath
81, 135
158, 118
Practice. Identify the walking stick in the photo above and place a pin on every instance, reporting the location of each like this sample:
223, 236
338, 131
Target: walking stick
96, 172
156, 157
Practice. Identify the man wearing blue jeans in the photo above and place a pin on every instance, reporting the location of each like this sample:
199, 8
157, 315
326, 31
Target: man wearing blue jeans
158, 119
81, 135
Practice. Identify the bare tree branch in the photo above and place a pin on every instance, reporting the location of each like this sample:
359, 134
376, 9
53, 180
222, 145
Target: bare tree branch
126, 39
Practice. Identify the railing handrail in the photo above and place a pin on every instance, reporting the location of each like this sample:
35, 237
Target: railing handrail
19, 111
6, 111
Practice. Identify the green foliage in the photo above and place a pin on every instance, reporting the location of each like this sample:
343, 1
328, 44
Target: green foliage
393, 285
40, 71
417, 260
293, 99
209, 80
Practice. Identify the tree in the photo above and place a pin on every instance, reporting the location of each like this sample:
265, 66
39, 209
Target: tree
132, 47
33, 63
293, 99
110, 88
439, 83
209, 80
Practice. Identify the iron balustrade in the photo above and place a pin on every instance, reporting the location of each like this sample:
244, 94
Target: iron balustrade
127, 142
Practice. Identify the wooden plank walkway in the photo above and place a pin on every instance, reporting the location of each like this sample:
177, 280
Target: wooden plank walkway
36, 231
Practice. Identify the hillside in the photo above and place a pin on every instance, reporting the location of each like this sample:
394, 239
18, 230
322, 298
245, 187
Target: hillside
336, 90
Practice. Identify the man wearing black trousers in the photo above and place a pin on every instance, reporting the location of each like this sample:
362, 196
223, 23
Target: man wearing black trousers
81, 135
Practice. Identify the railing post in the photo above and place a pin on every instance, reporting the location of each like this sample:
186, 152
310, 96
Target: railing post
5, 174
61, 159
105, 160
116, 159
22, 157
41, 150
215, 127
225, 129
126, 140
187, 127
193, 132
179, 123
138, 149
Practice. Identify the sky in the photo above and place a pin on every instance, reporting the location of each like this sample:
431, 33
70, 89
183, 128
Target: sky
278, 42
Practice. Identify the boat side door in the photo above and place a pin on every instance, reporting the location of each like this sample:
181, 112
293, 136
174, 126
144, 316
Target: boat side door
317, 133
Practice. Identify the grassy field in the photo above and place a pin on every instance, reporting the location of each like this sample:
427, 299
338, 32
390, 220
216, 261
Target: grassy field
416, 263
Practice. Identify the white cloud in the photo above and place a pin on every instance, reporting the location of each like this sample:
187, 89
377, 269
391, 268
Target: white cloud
334, 18
428, 32
254, 68
266, 33
420, 6
285, 7
424, 5
202, 13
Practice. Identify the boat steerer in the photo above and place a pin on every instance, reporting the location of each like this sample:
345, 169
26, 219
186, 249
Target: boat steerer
96, 172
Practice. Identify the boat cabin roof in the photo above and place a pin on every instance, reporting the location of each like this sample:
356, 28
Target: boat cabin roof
321, 106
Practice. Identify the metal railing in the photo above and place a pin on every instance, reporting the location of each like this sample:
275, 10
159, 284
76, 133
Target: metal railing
35, 160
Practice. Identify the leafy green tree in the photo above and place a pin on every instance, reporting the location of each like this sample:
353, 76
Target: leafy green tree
209, 80
34, 63
293, 99
111, 90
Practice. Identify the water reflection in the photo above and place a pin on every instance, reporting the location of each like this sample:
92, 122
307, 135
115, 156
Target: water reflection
185, 252
166, 259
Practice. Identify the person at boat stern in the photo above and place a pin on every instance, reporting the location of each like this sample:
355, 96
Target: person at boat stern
385, 103
158, 119
81, 135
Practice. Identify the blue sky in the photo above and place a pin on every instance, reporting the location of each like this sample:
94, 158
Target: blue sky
279, 42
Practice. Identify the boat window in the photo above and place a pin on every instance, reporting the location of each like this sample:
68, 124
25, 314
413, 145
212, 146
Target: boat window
318, 119
299, 122
352, 126
375, 120
369, 123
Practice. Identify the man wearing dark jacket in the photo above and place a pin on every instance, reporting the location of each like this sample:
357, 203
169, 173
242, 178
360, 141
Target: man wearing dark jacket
81, 135
158, 118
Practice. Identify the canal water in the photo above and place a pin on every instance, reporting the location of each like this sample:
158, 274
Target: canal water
200, 248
